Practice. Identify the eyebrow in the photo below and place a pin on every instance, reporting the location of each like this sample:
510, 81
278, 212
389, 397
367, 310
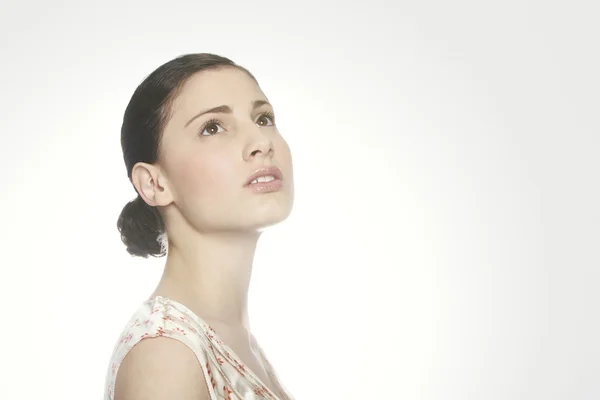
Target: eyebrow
225, 110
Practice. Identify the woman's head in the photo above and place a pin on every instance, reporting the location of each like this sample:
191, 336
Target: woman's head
193, 133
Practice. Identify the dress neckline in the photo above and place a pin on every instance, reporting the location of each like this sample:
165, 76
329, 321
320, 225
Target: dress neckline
206, 325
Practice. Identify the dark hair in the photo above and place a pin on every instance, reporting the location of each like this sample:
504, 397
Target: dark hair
141, 226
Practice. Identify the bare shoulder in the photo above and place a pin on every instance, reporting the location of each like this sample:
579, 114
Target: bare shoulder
159, 369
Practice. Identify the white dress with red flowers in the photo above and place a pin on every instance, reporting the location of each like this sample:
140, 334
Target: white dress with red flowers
227, 378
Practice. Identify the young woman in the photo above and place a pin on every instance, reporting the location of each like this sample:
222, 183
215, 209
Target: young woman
211, 171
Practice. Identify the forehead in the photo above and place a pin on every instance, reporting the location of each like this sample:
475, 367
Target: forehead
225, 86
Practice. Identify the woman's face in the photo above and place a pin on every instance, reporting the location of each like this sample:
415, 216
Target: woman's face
209, 158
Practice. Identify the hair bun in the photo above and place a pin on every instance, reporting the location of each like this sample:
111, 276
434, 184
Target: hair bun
141, 229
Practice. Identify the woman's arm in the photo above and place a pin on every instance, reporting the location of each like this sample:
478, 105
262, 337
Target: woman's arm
160, 369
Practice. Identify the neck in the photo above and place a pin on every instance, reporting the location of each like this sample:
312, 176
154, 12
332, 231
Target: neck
210, 273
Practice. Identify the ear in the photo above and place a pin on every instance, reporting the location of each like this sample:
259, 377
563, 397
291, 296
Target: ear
150, 183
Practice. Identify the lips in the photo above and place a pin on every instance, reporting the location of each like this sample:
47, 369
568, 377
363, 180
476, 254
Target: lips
265, 171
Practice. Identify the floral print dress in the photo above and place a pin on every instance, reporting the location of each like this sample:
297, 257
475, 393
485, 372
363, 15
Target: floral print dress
227, 377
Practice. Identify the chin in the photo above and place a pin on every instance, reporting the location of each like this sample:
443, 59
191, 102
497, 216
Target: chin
272, 218
268, 216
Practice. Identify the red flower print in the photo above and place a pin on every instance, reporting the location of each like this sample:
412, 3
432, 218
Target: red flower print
145, 335
220, 360
240, 366
180, 330
160, 331
128, 337
261, 391
212, 379
227, 392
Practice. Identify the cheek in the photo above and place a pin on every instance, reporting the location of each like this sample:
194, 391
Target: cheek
205, 177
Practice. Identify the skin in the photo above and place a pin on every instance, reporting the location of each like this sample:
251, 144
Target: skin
213, 222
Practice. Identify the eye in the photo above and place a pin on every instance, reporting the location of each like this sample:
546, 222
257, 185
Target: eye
266, 119
211, 127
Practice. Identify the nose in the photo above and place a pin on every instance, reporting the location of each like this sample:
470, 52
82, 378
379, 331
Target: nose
259, 143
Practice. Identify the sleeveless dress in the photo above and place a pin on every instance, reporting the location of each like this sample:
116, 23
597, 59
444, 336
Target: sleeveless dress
227, 378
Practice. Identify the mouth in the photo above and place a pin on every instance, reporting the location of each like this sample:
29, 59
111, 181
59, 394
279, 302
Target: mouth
263, 175
264, 180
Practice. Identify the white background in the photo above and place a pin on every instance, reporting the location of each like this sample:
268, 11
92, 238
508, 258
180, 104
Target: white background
444, 242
